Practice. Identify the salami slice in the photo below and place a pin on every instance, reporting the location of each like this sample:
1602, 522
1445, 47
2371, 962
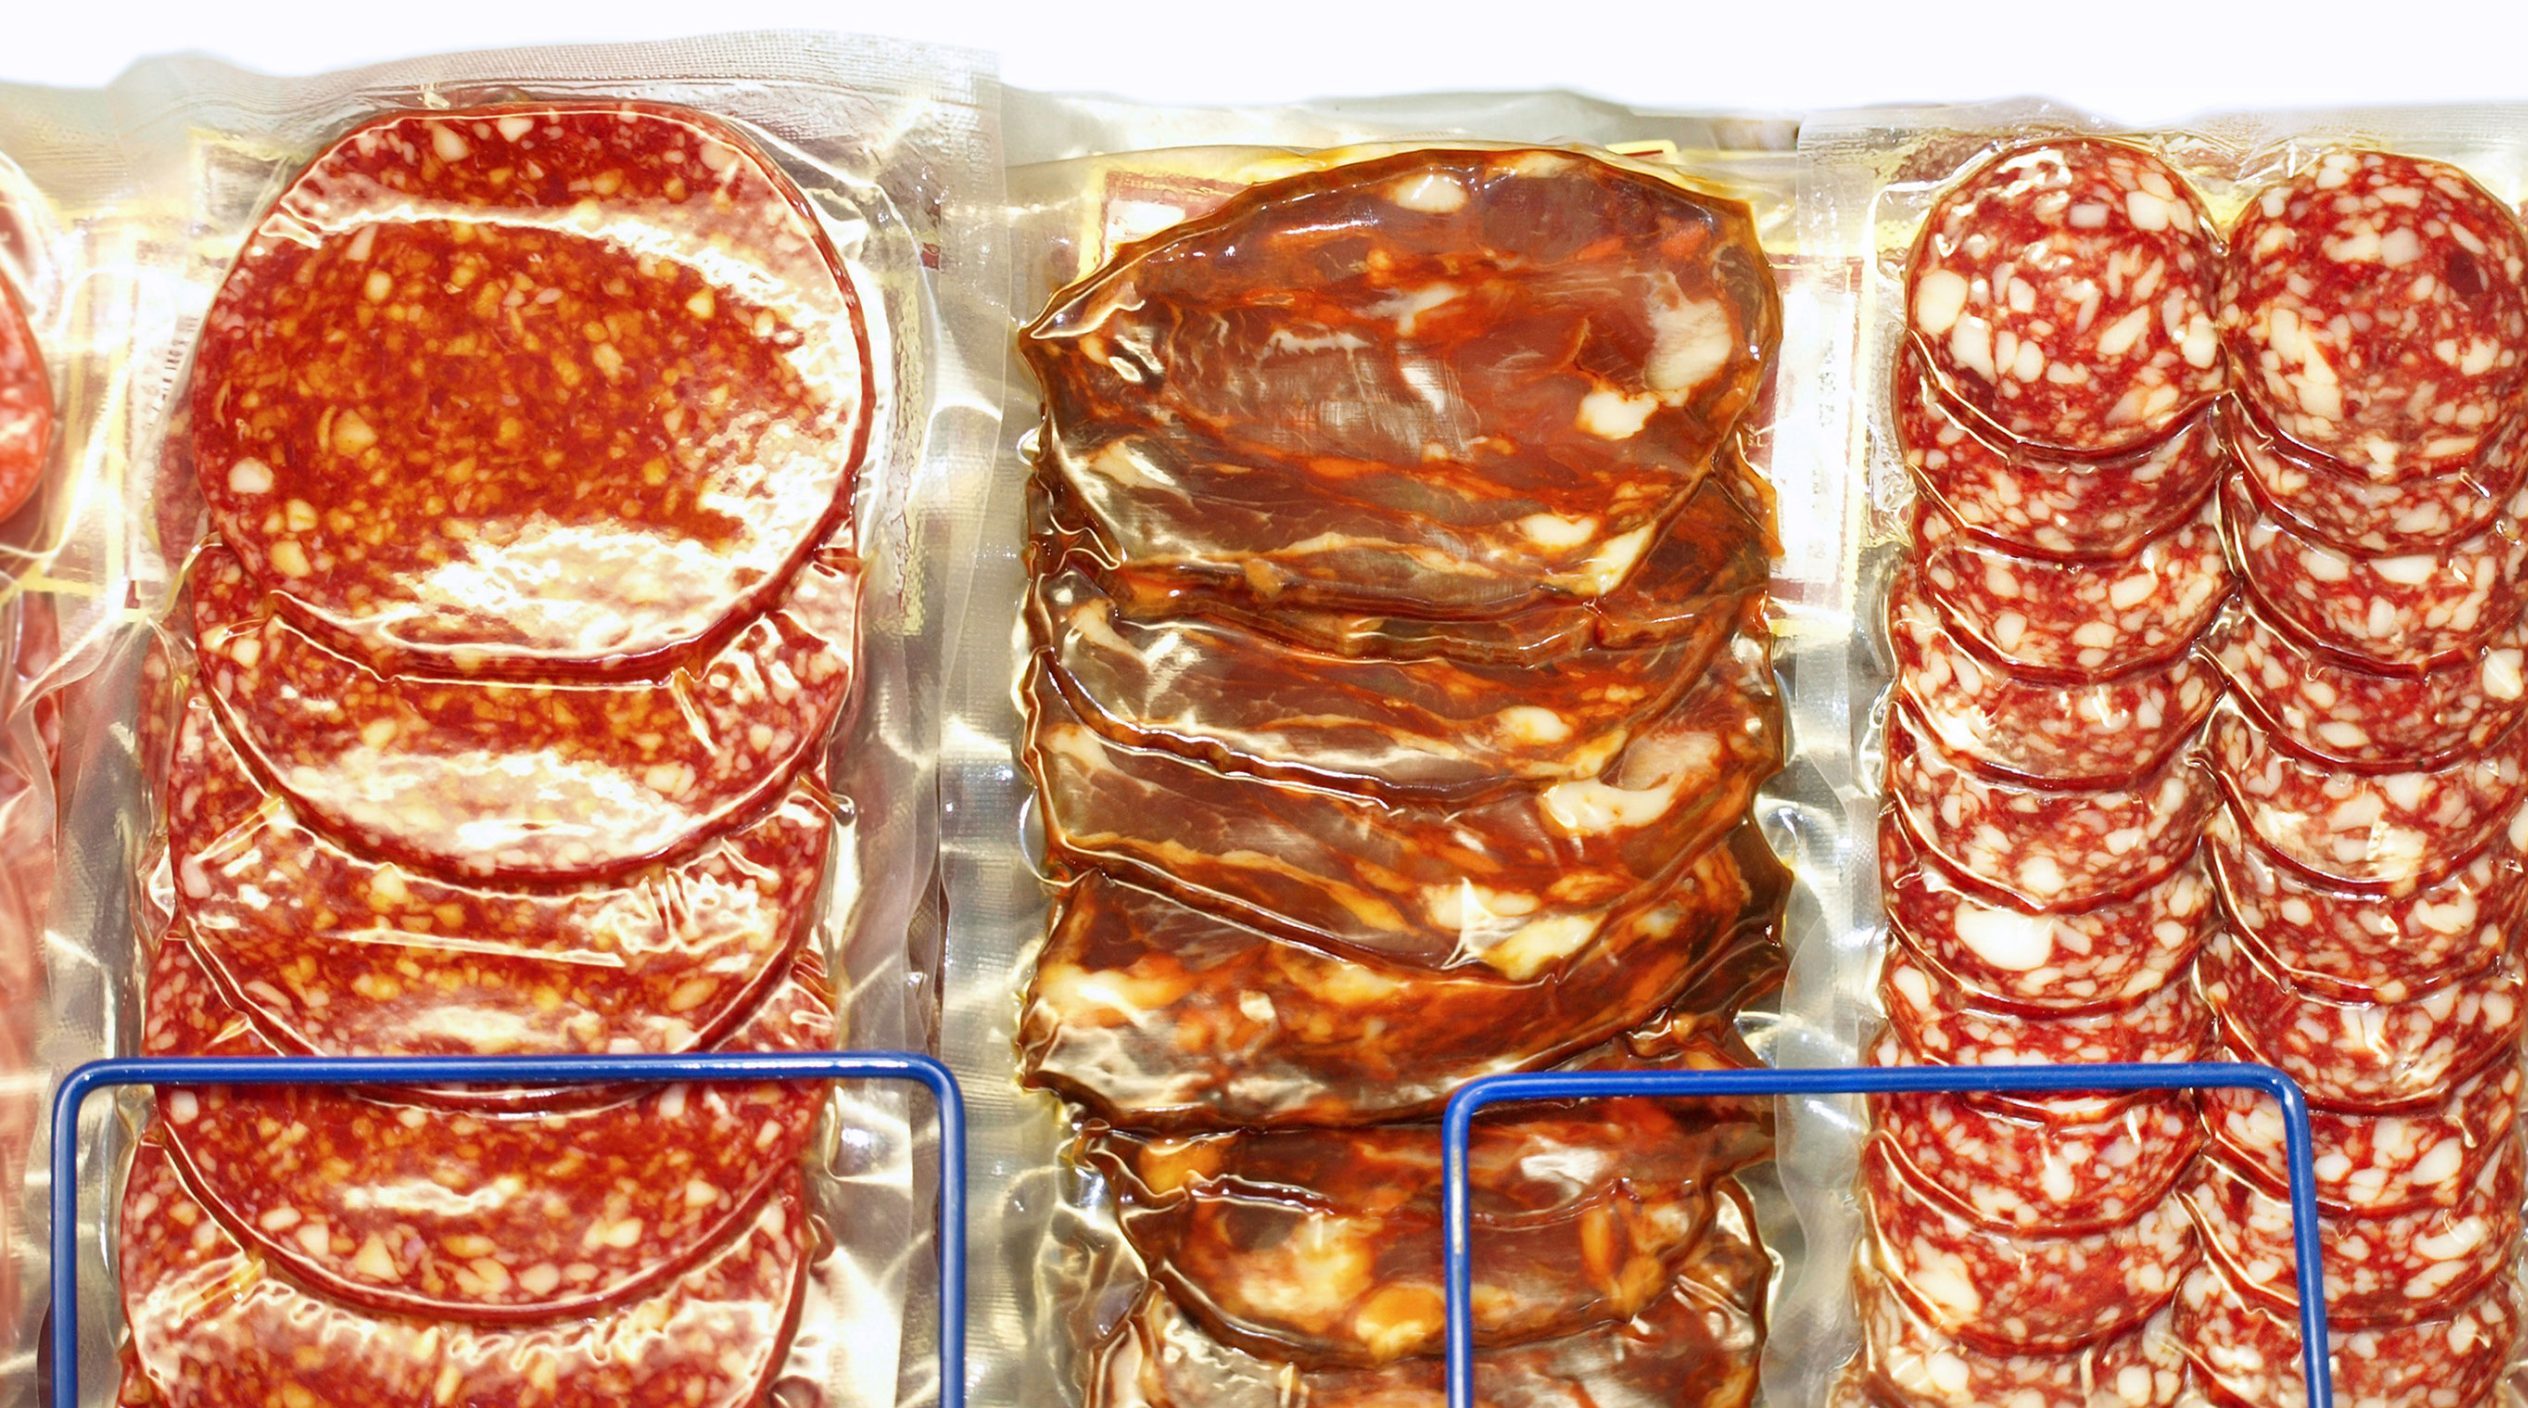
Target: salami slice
2066, 291
2055, 1109
214, 1325
1516, 883
479, 1215
1159, 1015
2375, 307
1695, 1346
335, 954
1440, 383
1711, 555
2016, 1170
2409, 613
2028, 500
1940, 1024
2019, 1289
2376, 1165
2332, 709
1243, 702
2076, 621
2393, 831
2041, 961
2246, 1350
501, 781
535, 386
2381, 1269
2345, 510
1323, 1246
2350, 944
1910, 1362
2094, 734
26, 406
2044, 849
2363, 1055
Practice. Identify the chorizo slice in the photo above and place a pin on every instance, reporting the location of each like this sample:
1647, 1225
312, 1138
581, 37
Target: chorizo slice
1426, 384
2245, 1349
2373, 1165
26, 406
2020, 1289
336, 954
1323, 1246
2043, 503
2075, 622
1516, 883
2335, 710
508, 780
2375, 308
2092, 734
2067, 292
483, 1215
531, 388
1908, 1361
1156, 1014
714, 1336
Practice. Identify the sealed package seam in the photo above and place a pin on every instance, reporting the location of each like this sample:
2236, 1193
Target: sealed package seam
526, 558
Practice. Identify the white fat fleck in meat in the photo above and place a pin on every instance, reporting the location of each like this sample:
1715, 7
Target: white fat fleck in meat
1610, 414
1939, 297
1428, 193
2006, 939
1691, 340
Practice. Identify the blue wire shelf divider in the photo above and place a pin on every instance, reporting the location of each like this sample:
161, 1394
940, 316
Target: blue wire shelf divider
1476, 1096
895, 1066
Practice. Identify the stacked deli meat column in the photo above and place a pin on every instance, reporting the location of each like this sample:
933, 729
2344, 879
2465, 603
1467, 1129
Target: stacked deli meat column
2369, 857
496, 723
1399, 690
2038, 851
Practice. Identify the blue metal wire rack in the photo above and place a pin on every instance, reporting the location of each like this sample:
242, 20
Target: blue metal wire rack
1471, 1100
898, 1066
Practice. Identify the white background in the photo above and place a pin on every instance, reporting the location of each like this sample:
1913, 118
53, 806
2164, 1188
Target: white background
2151, 61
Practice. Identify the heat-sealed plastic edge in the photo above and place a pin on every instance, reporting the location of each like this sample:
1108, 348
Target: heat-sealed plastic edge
896, 148
1052, 1269
1867, 179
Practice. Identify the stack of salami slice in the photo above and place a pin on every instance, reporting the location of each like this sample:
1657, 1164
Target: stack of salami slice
2369, 858
2039, 850
496, 723
1399, 692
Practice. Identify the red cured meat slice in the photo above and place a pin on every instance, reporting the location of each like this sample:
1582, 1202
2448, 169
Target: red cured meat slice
2094, 734
1323, 1246
2246, 1351
1158, 1015
26, 406
2363, 1055
2019, 1289
1910, 1362
2066, 291
2348, 511
1244, 702
2048, 505
1433, 382
214, 1325
2353, 944
479, 1215
1710, 556
506, 780
335, 954
531, 386
2389, 830
2076, 621
2046, 960
2410, 612
2381, 1268
1695, 1346
2016, 1169
2332, 709
1939, 1023
1516, 883
2374, 306
2371, 1165
2042, 848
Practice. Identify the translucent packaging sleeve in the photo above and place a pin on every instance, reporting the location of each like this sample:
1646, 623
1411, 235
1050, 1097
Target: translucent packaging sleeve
144, 195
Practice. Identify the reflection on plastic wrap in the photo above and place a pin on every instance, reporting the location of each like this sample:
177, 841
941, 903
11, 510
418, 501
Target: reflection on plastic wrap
1400, 690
